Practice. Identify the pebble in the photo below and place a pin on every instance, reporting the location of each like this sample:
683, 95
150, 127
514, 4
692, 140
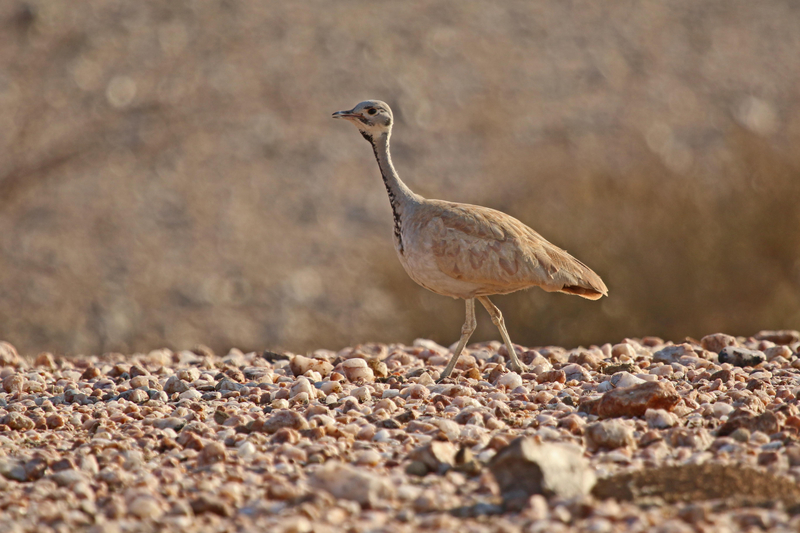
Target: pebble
302, 385
671, 354
187, 440
190, 394
299, 365
437, 456
636, 400
741, 357
356, 370
660, 419
609, 434
625, 379
717, 341
511, 380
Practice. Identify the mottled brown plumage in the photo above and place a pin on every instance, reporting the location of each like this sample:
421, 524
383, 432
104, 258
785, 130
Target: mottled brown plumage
467, 251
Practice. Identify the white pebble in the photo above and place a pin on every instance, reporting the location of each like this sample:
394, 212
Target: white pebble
356, 369
660, 418
246, 449
362, 394
721, 409
302, 385
623, 380
382, 436
329, 387
510, 380
191, 394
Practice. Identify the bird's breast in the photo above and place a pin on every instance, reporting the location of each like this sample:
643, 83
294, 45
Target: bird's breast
419, 261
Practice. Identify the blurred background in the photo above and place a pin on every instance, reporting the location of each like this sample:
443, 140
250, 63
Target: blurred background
170, 174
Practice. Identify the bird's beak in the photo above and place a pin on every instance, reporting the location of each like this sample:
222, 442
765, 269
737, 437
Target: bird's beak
344, 114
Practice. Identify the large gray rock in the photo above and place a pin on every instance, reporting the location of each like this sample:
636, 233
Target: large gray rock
525, 467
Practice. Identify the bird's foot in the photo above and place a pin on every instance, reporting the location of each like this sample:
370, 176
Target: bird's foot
443, 379
518, 368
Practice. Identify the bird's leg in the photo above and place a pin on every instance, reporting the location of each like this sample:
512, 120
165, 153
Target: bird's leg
466, 332
497, 319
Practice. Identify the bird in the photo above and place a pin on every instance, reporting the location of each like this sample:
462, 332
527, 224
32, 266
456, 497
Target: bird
467, 251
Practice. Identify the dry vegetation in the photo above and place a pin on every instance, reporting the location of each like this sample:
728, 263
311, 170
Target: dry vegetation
170, 174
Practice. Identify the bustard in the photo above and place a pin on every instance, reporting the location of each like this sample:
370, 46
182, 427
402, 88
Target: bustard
467, 251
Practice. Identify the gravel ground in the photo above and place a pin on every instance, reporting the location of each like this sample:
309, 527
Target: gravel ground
698, 436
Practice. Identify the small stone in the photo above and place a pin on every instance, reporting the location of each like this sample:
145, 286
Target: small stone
144, 506
378, 367
636, 400
767, 422
589, 360
90, 373
190, 394
609, 434
176, 385
610, 370
356, 369
437, 456
299, 365
18, 422
622, 380
368, 457
209, 504
552, 376
35, 468
14, 383
9, 355
302, 385
576, 372
510, 380
416, 392
330, 387
139, 382
671, 354
660, 419
282, 419
12, 469
189, 375
717, 341
67, 478
623, 350
778, 351
784, 336
55, 421
138, 370
720, 409
425, 379
349, 483
416, 468
213, 452
361, 394
247, 449
45, 360
741, 357
525, 467
138, 396
172, 422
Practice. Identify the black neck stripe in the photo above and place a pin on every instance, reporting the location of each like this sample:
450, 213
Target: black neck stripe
398, 235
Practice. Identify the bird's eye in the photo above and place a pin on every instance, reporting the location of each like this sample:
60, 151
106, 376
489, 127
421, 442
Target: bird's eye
372, 111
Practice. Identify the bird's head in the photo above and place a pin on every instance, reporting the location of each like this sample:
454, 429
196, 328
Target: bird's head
372, 118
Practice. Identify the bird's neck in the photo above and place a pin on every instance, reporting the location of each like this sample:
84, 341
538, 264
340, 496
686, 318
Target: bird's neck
400, 196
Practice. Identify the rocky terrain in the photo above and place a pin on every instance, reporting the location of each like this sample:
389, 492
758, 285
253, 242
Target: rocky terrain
641, 435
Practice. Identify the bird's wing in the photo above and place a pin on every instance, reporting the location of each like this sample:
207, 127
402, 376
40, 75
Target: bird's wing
488, 247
